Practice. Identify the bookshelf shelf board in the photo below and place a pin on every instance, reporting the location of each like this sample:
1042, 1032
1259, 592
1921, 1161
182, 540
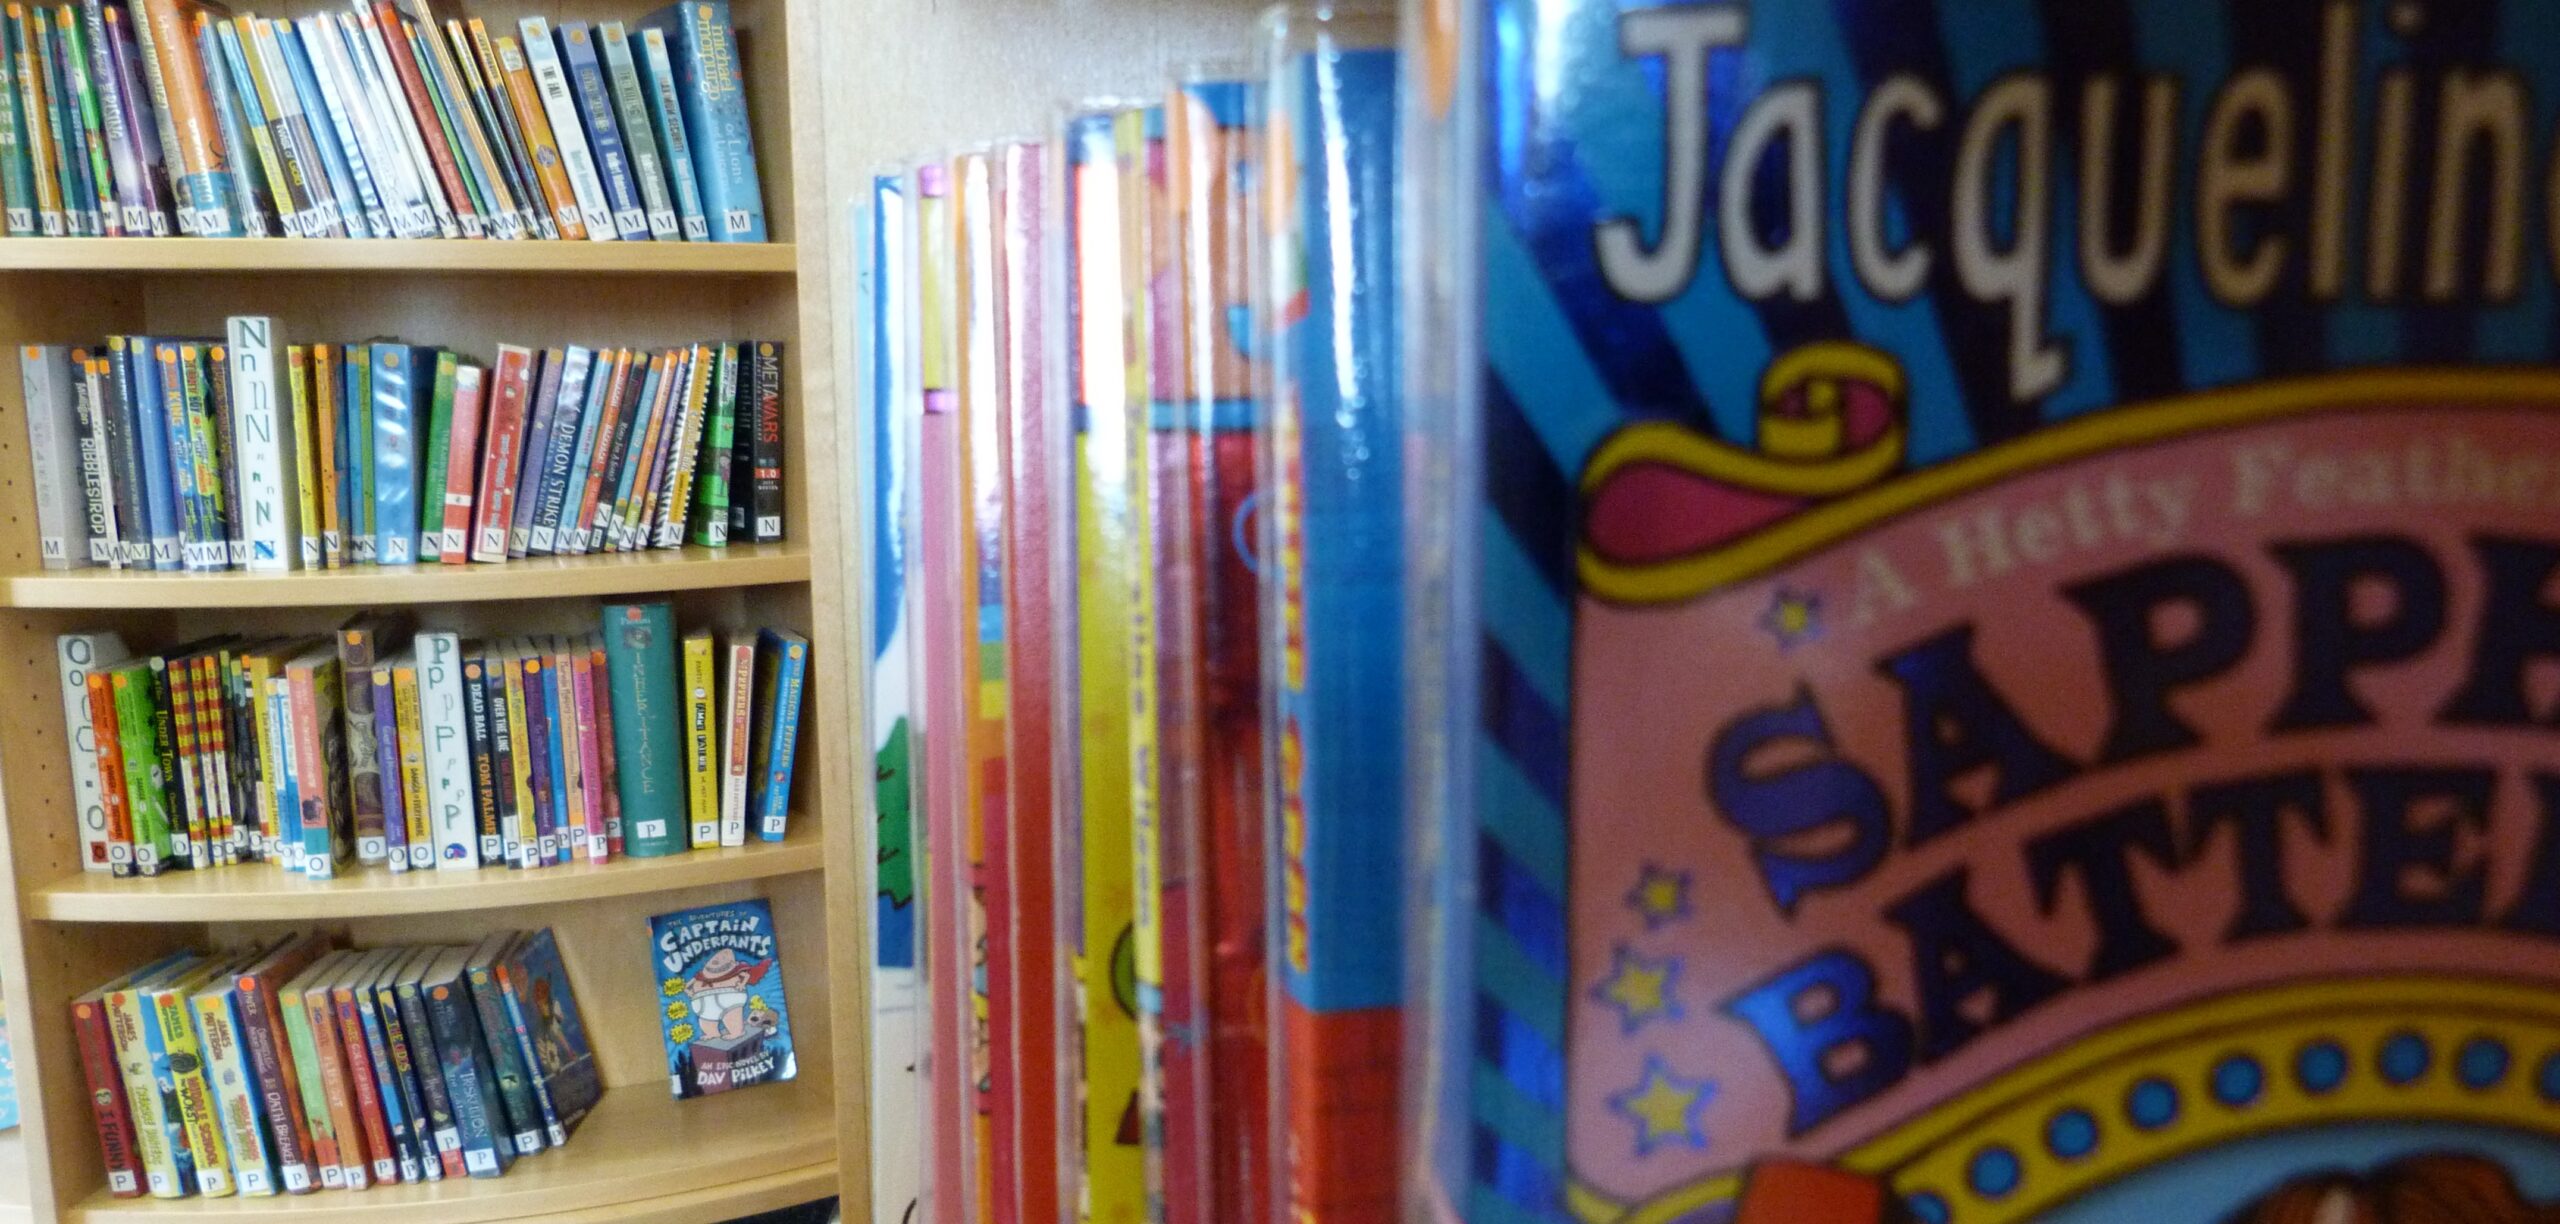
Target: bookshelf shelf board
640, 1148
255, 891
458, 256
685, 569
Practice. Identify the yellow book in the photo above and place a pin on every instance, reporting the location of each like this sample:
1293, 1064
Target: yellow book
260, 668
701, 744
521, 834
261, 138
185, 1062
409, 713
571, 784
306, 474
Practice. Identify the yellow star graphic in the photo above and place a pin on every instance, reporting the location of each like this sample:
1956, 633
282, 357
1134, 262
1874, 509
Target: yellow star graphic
1660, 896
1664, 1108
1641, 990
1794, 616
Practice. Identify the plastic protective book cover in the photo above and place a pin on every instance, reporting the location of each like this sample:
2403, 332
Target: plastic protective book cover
1966, 657
884, 237
950, 1104
1024, 959
1210, 135
1105, 360
722, 1012
545, 1010
979, 386
1338, 699
8, 1081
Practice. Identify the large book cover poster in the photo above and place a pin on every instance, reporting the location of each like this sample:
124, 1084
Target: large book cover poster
2008, 608
721, 1010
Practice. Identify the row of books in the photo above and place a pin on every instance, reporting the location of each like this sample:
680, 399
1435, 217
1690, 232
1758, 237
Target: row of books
376, 748
1143, 536
292, 1065
151, 117
165, 453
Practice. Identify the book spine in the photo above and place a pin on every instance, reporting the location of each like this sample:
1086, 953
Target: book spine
294, 414
640, 651
484, 792
605, 747
417, 803
374, 167
352, 197
436, 456
377, 1097
500, 453
53, 451
40, 129
17, 173
337, 1087
591, 754
560, 452
742, 454
520, 1031
151, 1124
567, 778
195, 375
532, 217
640, 145
549, 159
176, 705
395, 456
97, 488
181, 92
117, 1144
702, 738
544, 406
778, 739
765, 479
230, 119
185, 471
462, 466
357, 652
70, 159
559, 104
318, 857
105, 729
705, 55
279, 1095
388, 760
504, 212
144, 798
719, 442
502, 788
302, 1050
355, 433
523, 823
289, 770
151, 439
426, 213
265, 449
77, 657
595, 109
396, 1053
736, 733
615, 516
124, 458
640, 529
597, 452
179, 1064
469, 1081
387, 26
442, 722
82, 57
219, 437
442, 1128
143, 127
539, 730
293, 170
675, 493
186, 841
515, 1090
234, 1092
329, 456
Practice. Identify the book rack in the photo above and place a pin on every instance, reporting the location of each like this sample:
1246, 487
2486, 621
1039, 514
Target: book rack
642, 1155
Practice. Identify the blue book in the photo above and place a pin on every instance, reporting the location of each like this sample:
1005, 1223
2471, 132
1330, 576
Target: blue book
164, 1076
704, 51
8, 1081
560, 454
241, 167
537, 449
355, 482
253, 113
777, 735
722, 1016
556, 740
396, 377
346, 212
539, 730
558, 1056
398, 1100
185, 497
611, 524
666, 113
463, 1055
142, 368
594, 94
288, 845
566, 536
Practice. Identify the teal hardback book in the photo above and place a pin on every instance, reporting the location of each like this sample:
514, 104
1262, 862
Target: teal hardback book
640, 660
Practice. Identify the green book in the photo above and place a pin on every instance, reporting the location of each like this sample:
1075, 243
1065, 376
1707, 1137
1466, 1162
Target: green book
307, 1074
648, 731
438, 461
719, 438
146, 798
81, 72
358, 485
17, 172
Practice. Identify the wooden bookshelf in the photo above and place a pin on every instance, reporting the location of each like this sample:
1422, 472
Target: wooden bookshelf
641, 1156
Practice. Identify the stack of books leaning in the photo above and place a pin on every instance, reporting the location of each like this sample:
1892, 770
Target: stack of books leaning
130, 118
292, 1066
377, 748
165, 453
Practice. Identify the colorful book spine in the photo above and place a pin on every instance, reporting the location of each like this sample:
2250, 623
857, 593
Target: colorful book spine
560, 106
475, 697
90, 408
559, 450
403, 75
77, 657
501, 452
640, 654
177, 1076
702, 738
302, 1046
737, 736
359, 648
470, 396
337, 1088
449, 798
594, 97
507, 1057
525, 98
356, 407
593, 770
397, 379
263, 1034
179, 88
234, 1089
763, 477
17, 172
541, 410
374, 1103
435, 450
417, 799
777, 736
469, 1079
541, 735
443, 1128
666, 112
118, 1145
387, 1039
702, 48
106, 730
39, 143
631, 107
476, 60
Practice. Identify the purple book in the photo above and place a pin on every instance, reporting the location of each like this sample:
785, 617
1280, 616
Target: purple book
537, 740
386, 755
537, 451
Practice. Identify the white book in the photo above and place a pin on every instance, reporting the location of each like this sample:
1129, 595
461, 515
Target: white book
678, 480
264, 448
395, 170
53, 447
737, 717
567, 131
97, 474
454, 218
323, 214
352, 125
443, 723
79, 654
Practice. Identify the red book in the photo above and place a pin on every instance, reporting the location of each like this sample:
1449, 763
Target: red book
107, 1106
346, 1146
262, 1036
393, 30
362, 1083
1028, 963
462, 458
102, 728
502, 453
593, 785
604, 748
579, 514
